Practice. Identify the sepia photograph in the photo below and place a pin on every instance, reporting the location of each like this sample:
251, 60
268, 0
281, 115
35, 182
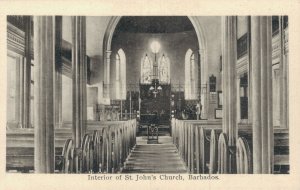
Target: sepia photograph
147, 94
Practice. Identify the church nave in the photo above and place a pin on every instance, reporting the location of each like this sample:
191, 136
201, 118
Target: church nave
147, 94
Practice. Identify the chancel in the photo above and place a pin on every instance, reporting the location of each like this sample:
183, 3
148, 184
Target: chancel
88, 94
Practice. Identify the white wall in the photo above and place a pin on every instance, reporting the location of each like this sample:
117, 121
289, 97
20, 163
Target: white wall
66, 98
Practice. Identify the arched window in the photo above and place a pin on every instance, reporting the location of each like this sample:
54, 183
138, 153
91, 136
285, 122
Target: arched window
192, 73
120, 75
164, 69
146, 70
190, 82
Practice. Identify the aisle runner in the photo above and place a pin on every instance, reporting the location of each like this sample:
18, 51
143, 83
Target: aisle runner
154, 158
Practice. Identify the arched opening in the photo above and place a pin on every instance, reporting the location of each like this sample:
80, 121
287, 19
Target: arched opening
115, 20
111, 33
136, 35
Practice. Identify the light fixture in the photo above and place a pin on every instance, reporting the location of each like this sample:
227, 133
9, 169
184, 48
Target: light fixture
155, 46
155, 88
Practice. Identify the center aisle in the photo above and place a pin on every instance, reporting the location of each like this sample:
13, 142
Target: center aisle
162, 157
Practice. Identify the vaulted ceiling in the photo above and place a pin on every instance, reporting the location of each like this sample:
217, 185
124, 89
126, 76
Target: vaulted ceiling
96, 26
154, 24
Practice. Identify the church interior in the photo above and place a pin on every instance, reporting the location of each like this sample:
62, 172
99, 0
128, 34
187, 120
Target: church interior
147, 94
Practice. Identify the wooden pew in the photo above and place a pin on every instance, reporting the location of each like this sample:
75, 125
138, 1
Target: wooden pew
201, 150
106, 148
281, 148
118, 141
243, 157
193, 150
97, 145
213, 152
193, 137
281, 152
223, 154
67, 154
20, 149
95, 148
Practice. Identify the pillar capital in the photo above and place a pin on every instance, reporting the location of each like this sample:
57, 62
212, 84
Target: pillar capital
107, 54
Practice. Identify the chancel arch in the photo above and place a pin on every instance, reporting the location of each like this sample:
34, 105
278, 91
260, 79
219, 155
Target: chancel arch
115, 20
109, 33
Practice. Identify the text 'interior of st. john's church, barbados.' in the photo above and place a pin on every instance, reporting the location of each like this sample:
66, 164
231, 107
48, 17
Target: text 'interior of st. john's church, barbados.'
147, 94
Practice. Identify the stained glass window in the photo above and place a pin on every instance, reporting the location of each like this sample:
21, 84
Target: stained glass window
164, 70
146, 70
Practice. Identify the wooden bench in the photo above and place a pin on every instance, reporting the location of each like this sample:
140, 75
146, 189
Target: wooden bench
115, 137
193, 138
20, 148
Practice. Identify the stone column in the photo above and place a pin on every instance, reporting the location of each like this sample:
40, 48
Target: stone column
264, 93
203, 84
58, 71
283, 75
229, 84
286, 70
27, 73
84, 83
255, 57
261, 48
269, 89
107, 74
249, 71
238, 99
224, 76
199, 86
79, 82
229, 78
43, 95
130, 104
